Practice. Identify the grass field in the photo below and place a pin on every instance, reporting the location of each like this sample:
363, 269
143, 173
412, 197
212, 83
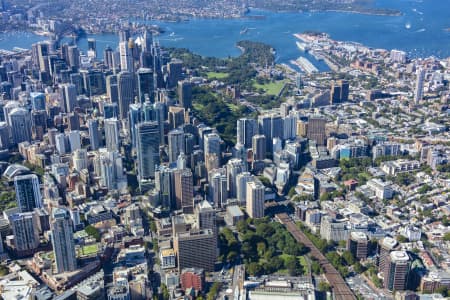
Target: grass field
271, 88
89, 249
216, 75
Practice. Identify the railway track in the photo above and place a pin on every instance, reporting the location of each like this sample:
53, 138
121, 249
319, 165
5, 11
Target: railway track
340, 289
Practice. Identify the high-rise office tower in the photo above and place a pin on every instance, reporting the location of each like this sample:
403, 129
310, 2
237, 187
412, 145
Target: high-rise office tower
184, 190
165, 185
175, 69
205, 216
28, 194
385, 247
241, 186
134, 117
124, 35
77, 80
259, 147
289, 127
218, 193
60, 143
196, 248
176, 142
185, 93
112, 88
176, 116
25, 231
234, 167
37, 101
92, 47
110, 110
212, 142
146, 86
418, 91
271, 126
148, 40
397, 271
126, 58
94, 134
112, 138
4, 135
108, 54
339, 92
20, 122
255, 199
126, 92
147, 135
74, 139
69, 97
79, 159
246, 129
39, 121
62, 241
358, 244
74, 57
316, 130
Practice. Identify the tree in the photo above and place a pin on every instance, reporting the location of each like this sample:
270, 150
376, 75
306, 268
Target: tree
92, 231
165, 292
324, 286
443, 290
254, 269
348, 257
358, 268
447, 237
316, 268
213, 291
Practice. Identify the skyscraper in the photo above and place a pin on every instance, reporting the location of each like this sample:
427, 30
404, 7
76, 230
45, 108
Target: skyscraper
255, 199
418, 92
212, 142
234, 166
206, 216
259, 147
174, 68
241, 186
397, 271
184, 190
218, 193
62, 241
185, 93
28, 194
126, 58
94, 134
196, 248
25, 231
357, 244
20, 122
147, 135
176, 142
316, 130
112, 88
126, 92
146, 85
246, 129
112, 138
74, 57
69, 97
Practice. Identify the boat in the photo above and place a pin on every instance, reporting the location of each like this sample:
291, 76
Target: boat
408, 25
302, 46
243, 31
172, 34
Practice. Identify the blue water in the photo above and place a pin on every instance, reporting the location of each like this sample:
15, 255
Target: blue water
216, 37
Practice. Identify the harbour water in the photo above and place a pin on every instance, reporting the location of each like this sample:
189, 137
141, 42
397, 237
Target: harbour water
420, 31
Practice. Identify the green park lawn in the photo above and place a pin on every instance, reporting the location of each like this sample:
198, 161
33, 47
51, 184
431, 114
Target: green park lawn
271, 88
216, 75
